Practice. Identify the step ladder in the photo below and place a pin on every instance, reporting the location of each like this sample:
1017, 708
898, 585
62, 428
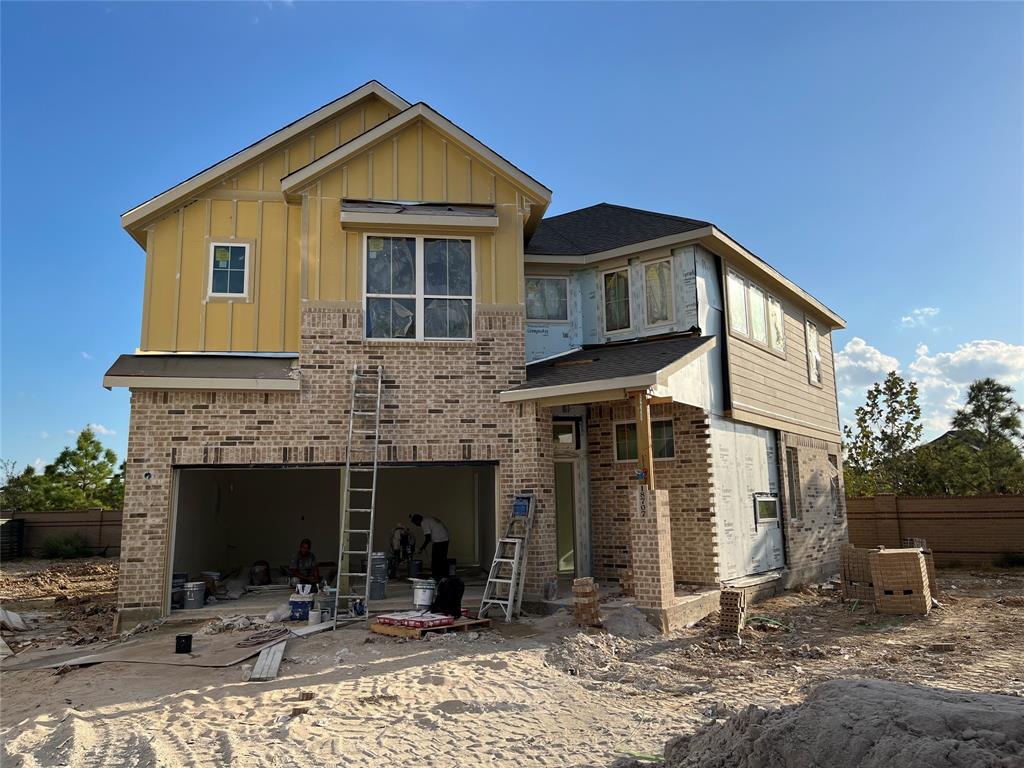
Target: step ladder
359, 489
507, 576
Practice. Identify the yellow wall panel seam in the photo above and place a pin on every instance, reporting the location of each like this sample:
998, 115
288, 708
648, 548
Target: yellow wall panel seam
419, 160
177, 280
469, 178
304, 249
494, 188
444, 171
319, 239
284, 277
494, 268
344, 181
256, 271
261, 177
394, 169
203, 308
231, 321
369, 175
147, 288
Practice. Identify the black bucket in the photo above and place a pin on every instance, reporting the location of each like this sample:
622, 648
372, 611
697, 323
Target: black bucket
183, 644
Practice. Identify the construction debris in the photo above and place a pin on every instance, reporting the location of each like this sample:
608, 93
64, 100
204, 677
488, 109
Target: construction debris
11, 621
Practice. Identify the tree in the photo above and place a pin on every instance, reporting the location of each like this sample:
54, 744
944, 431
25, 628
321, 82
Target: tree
991, 418
84, 476
878, 457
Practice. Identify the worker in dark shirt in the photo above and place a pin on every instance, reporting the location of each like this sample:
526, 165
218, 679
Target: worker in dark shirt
303, 567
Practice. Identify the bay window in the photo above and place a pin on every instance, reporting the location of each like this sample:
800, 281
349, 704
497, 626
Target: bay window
419, 287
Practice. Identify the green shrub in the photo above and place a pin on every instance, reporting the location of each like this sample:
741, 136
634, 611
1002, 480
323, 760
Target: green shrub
1009, 560
65, 546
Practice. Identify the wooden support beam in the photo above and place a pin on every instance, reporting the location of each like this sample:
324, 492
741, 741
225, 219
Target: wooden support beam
644, 452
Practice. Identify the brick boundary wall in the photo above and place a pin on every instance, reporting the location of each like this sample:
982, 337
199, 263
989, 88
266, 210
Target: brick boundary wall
966, 530
440, 403
101, 528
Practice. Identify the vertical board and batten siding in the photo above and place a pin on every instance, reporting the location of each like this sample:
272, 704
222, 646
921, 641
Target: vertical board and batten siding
416, 164
766, 389
248, 207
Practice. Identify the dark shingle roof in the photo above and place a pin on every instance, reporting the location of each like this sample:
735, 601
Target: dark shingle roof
602, 227
595, 362
204, 366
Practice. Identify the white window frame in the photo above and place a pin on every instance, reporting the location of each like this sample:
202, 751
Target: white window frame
771, 331
615, 442
210, 294
745, 333
604, 302
753, 288
420, 296
671, 293
547, 277
808, 324
748, 336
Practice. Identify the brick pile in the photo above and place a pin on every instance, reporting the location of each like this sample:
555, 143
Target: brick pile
732, 610
855, 569
587, 608
901, 581
627, 584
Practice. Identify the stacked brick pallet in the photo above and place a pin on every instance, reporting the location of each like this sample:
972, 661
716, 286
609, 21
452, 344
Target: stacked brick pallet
627, 585
855, 568
732, 610
901, 581
587, 608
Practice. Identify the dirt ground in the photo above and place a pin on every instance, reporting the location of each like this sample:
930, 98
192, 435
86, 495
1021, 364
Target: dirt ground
558, 697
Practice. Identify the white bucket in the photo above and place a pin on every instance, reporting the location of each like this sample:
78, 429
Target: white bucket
423, 593
195, 594
314, 618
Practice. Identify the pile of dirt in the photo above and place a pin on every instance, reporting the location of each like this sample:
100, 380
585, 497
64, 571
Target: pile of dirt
628, 622
70, 580
863, 724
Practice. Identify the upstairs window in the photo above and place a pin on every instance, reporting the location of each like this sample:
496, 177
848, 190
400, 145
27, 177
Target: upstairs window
777, 325
547, 298
813, 354
229, 272
755, 314
758, 315
736, 288
658, 292
616, 300
419, 288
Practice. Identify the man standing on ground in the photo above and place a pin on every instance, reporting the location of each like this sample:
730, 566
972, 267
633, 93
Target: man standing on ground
436, 535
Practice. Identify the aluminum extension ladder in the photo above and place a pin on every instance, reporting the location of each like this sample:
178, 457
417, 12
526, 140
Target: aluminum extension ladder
358, 500
507, 576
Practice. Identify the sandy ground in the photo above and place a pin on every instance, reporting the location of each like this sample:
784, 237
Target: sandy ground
559, 698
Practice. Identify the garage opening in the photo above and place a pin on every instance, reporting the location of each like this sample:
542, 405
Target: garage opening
226, 520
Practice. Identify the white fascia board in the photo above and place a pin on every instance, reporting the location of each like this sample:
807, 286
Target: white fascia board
681, 238
599, 385
226, 166
178, 382
295, 181
419, 220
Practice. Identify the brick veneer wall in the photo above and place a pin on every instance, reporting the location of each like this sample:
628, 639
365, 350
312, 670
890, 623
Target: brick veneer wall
815, 534
440, 404
971, 530
687, 478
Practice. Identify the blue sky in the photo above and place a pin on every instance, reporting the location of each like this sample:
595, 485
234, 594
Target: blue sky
872, 152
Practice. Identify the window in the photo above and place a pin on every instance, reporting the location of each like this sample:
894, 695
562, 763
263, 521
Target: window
833, 481
616, 300
663, 445
229, 270
419, 288
658, 292
766, 508
793, 483
813, 354
777, 325
547, 298
564, 433
737, 293
758, 315
662, 441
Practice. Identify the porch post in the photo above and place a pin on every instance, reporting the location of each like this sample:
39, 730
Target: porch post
644, 453
651, 539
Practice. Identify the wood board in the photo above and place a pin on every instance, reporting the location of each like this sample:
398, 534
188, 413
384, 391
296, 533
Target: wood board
460, 625
268, 663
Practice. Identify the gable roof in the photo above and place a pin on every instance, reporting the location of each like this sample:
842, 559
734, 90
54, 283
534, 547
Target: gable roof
297, 179
177, 193
603, 227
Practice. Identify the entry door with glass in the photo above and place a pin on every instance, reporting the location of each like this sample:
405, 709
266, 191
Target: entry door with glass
767, 552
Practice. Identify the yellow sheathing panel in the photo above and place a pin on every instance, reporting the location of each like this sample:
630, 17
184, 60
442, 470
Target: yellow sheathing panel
249, 178
484, 271
273, 170
163, 290
458, 173
382, 172
325, 139
271, 278
350, 125
243, 318
408, 150
376, 113
331, 267
483, 184
292, 287
193, 276
433, 166
356, 175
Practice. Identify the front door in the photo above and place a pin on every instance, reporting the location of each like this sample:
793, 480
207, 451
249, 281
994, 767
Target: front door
565, 515
767, 552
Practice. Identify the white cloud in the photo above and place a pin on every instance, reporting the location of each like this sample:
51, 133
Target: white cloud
70, 432
86, 356
859, 365
918, 318
99, 429
39, 465
43, 435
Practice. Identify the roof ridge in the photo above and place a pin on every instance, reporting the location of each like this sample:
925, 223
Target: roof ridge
672, 216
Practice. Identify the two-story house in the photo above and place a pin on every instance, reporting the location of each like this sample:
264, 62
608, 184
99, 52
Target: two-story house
668, 397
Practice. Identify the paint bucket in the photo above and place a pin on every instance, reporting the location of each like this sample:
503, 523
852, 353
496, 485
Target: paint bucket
183, 644
299, 606
195, 594
325, 604
315, 618
423, 593
378, 588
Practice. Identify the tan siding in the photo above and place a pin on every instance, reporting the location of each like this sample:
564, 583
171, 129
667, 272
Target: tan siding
768, 388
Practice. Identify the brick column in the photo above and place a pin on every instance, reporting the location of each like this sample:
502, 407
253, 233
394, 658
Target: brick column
651, 537
533, 471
